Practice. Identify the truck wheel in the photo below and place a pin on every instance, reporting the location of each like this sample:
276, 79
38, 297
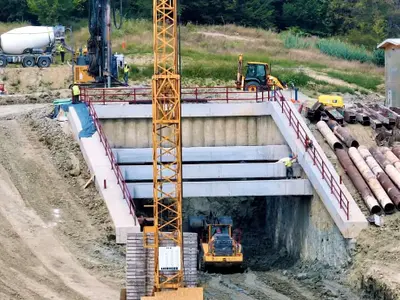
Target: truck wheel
44, 62
3, 61
252, 86
28, 62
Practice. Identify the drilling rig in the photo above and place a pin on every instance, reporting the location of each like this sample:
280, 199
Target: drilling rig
98, 67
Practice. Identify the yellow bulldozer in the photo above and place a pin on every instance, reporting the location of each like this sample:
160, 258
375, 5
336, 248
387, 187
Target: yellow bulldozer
258, 77
217, 246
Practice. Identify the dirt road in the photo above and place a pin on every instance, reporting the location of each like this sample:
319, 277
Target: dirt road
50, 246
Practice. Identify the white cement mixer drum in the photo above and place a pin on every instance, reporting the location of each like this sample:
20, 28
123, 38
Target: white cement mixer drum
17, 40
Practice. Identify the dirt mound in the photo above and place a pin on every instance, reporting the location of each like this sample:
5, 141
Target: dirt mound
57, 238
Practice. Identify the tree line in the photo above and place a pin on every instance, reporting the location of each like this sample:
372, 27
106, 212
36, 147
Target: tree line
359, 21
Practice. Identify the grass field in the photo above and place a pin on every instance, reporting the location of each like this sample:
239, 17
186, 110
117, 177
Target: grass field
209, 56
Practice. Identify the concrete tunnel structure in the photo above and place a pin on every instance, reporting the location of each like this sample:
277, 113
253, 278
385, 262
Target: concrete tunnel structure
229, 150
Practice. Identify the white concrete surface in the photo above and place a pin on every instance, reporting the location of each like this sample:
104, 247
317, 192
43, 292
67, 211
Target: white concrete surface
99, 164
213, 171
357, 221
143, 111
208, 154
294, 187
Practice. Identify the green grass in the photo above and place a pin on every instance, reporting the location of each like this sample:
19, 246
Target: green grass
330, 89
366, 81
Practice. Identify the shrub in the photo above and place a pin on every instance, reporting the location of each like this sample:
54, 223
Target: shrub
379, 57
295, 40
343, 50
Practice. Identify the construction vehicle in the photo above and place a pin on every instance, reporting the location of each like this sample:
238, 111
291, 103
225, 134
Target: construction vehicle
96, 66
30, 45
258, 77
217, 247
331, 101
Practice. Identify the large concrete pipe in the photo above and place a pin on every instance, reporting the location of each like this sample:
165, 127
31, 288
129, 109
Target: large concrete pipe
345, 136
358, 181
391, 157
387, 184
372, 181
328, 135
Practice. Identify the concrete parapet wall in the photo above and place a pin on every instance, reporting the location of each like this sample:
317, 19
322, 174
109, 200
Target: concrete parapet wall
197, 132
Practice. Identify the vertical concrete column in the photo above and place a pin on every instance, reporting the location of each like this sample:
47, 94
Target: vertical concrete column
142, 134
230, 131
187, 132
119, 133
220, 132
209, 132
130, 134
108, 131
262, 131
252, 131
198, 132
241, 131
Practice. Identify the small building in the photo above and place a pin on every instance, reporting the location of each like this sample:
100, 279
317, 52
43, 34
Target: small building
392, 71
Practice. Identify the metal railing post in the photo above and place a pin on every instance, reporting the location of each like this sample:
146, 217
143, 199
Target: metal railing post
104, 96
227, 95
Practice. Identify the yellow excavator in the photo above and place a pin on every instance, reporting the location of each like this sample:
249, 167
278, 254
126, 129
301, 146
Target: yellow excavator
258, 77
218, 248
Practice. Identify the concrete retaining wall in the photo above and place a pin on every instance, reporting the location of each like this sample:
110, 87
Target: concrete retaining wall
305, 229
197, 132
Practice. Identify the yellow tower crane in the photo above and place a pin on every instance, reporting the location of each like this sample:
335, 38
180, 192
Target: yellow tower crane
167, 173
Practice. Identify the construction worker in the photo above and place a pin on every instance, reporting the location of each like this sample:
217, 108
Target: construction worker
126, 73
76, 92
288, 161
61, 50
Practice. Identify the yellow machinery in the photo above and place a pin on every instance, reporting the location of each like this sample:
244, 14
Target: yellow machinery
166, 111
332, 101
258, 77
217, 247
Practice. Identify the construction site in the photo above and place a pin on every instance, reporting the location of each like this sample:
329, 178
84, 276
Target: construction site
249, 191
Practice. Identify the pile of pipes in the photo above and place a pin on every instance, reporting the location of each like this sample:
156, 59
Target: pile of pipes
375, 172
385, 121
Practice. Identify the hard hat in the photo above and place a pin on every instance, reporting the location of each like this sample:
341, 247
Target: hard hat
290, 156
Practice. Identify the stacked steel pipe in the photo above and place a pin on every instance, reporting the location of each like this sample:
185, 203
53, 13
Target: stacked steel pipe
383, 178
372, 181
351, 170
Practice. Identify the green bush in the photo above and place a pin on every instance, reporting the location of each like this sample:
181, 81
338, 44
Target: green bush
379, 57
295, 40
299, 79
343, 50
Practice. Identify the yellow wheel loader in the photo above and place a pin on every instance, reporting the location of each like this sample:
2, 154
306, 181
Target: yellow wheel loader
217, 247
258, 77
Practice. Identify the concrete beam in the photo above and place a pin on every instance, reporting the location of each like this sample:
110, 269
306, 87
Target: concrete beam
213, 171
294, 187
143, 111
208, 154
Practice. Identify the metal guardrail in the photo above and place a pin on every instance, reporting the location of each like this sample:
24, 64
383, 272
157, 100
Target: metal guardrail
114, 164
188, 95
327, 176
213, 94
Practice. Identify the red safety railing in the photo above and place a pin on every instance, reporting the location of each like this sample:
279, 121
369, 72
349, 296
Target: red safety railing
191, 95
114, 164
318, 161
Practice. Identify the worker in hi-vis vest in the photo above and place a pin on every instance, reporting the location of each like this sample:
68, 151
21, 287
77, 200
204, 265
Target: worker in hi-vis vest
288, 161
126, 73
76, 92
61, 50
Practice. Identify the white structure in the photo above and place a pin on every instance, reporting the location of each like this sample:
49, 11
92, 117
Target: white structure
392, 71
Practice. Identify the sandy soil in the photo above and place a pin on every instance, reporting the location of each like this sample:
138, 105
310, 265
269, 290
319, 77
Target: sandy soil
55, 242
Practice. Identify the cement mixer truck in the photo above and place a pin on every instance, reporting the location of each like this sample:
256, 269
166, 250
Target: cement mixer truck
30, 45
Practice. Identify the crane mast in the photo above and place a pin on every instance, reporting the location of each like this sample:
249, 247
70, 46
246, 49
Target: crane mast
167, 172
